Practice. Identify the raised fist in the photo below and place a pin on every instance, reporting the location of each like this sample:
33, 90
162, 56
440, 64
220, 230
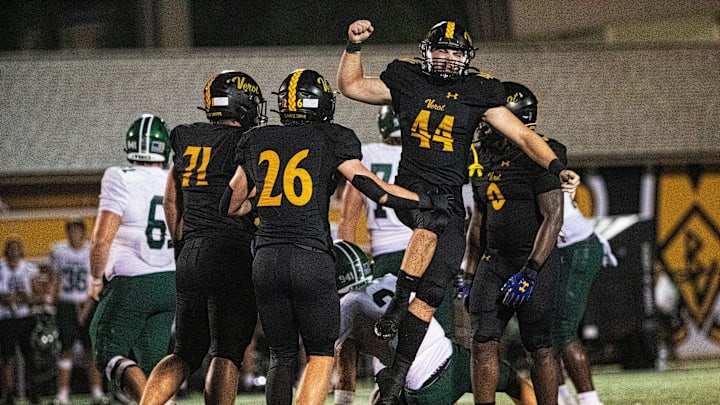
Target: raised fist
359, 31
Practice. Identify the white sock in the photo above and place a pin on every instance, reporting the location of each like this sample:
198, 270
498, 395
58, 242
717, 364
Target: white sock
97, 393
589, 398
248, 380
565, 397
63, 394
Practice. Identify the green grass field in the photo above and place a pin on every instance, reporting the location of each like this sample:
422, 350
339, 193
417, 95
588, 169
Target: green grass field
684, 383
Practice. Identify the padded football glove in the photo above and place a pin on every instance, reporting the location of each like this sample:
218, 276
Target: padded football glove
464, 289
519, 288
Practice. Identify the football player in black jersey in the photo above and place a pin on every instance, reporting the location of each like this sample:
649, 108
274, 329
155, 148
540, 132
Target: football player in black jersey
439, 103
287, 174
216, 310
511, 246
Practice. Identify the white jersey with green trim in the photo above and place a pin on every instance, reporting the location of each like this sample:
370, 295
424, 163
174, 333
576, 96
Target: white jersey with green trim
73, 269
15, 280
575, 227
360, 308
387, 233
142, 244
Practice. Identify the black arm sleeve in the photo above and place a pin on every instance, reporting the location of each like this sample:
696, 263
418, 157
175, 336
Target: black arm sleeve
225, 201
371, 189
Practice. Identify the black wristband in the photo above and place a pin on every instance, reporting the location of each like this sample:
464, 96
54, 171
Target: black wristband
532, 265
353, 47
556, 167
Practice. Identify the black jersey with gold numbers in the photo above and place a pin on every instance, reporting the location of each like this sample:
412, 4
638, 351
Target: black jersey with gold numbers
438, 118
203, 166
295, 171
508, 185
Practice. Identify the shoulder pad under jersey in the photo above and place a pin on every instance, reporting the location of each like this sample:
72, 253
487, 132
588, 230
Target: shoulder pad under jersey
412, 61
484, 75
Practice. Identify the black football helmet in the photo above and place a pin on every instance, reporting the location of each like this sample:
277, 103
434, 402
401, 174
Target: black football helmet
446, 35
305, 96
45, 338
352, 267
234, 95
147, 140
522, 102
388, 123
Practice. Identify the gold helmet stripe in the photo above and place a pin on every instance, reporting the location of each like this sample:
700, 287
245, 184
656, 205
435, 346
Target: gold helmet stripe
208, 98
450, 29
292, 90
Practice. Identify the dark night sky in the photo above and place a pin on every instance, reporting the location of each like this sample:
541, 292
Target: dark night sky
229, 22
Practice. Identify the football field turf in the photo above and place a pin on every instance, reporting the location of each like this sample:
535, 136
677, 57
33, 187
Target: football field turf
696, 383
684, 383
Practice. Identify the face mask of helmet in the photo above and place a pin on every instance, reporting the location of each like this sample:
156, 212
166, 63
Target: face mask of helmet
388, 123
521, 102
446, 51
487, 140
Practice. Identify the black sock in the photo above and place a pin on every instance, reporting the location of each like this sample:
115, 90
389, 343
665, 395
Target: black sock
406, 285
411, 333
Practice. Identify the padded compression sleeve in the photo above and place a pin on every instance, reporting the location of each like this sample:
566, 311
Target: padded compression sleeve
371, 189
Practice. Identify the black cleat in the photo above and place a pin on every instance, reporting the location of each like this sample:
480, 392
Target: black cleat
390, 388
392, 400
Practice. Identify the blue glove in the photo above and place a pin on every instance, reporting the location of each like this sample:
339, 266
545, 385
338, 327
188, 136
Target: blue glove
463, 291
519, 287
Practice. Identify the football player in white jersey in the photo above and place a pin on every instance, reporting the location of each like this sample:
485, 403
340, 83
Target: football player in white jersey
132, 263
16, 319
440, 373
388, 236
70, 262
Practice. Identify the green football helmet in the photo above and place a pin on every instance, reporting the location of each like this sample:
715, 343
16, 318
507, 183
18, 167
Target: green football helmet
147, 140
352, 267
388, 123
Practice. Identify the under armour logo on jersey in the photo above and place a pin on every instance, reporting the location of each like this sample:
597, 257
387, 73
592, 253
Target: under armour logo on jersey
485, 257
505, 163
452, 95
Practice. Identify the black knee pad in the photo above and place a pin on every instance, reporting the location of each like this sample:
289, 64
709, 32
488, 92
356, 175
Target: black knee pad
434, 285
192, 360
432, 294
543, 352
478, 338
283, 365
534, 342
437, 222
